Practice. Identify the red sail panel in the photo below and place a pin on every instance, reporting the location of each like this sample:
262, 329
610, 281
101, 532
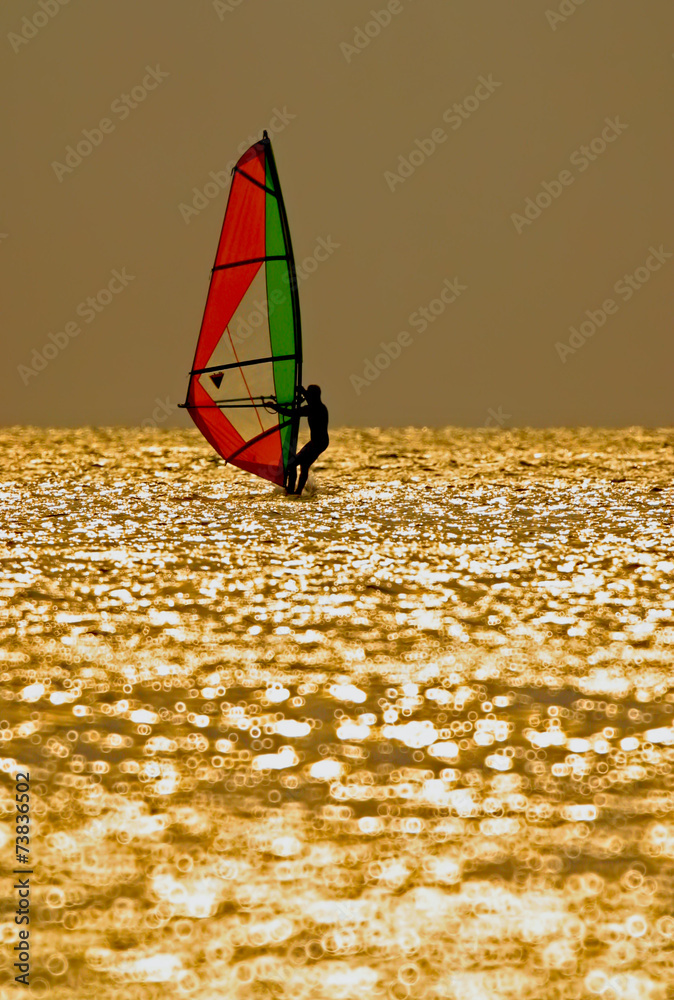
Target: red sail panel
263, 458
242, 238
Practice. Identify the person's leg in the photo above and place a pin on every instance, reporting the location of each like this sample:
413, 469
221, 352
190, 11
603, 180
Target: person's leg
304, 472
303, 458
291, 475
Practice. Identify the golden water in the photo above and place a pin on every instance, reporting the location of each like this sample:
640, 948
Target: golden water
410, 736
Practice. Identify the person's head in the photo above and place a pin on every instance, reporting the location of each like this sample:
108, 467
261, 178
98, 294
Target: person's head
313, 393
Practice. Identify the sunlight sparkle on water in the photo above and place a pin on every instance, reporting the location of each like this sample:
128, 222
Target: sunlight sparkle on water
411, 736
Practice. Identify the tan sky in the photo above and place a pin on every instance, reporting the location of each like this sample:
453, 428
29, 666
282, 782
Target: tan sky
414, 143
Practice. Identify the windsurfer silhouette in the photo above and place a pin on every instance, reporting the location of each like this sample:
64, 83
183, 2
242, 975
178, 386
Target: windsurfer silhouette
316, 413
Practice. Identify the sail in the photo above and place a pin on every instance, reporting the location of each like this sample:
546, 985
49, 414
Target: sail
250, 346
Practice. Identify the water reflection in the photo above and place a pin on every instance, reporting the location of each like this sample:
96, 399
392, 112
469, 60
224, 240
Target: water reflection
411, 737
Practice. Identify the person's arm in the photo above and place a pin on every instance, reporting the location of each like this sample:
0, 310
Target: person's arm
284, 409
